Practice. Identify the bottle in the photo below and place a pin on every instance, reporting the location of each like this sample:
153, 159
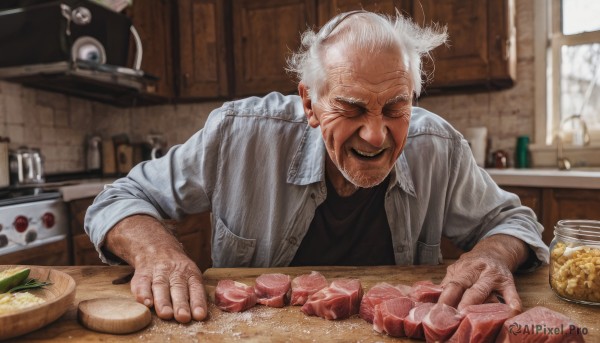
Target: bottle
522, 152
575, 261
93, 162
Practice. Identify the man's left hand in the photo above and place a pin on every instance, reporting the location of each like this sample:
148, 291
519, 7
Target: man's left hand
487, 268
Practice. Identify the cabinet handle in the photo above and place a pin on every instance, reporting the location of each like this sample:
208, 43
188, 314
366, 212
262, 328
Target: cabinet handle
186, 80
504, 46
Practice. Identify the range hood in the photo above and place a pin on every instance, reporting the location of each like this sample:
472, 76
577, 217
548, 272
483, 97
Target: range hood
74, 47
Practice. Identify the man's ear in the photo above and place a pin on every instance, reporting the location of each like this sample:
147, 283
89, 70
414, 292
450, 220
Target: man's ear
307, 104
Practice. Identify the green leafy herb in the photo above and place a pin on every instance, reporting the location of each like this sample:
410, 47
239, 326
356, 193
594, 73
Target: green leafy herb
29, 284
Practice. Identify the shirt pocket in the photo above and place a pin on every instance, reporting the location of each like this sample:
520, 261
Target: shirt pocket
427, 253
231, 250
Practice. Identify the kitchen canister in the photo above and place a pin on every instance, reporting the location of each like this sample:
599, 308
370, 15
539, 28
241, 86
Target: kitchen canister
477, 138
4, 165
575, 261
522, 152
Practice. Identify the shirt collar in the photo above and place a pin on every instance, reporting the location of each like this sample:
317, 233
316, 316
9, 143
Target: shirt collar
308, 164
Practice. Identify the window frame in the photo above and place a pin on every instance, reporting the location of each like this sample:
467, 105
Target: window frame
547, 51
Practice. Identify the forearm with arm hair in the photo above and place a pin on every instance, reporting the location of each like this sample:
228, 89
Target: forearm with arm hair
504, 247
138, 237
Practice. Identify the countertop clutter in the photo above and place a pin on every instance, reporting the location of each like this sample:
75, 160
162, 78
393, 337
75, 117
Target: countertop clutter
265, 324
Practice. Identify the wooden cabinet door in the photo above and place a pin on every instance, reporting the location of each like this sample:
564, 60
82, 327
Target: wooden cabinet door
481, 48
201, 51
529, 196
330, 8
152, 20
264, 33
569, 204
49, 254
194, 232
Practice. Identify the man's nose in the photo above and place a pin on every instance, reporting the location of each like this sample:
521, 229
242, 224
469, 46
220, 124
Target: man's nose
373, 131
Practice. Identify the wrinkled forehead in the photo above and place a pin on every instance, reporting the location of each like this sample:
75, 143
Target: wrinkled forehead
343, 63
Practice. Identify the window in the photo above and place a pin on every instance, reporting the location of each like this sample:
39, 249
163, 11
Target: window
568, 47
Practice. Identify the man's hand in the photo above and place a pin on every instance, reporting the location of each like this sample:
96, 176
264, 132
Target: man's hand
165, 277
487, 268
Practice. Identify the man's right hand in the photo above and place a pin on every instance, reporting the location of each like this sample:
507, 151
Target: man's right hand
165, 277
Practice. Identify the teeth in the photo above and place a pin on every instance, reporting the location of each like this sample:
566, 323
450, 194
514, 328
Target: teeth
368, 154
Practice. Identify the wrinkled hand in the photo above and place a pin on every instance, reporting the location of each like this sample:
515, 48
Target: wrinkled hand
164, 276
485, 269
173, 285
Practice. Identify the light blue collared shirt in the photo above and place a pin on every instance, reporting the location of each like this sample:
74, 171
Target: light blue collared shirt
260, 168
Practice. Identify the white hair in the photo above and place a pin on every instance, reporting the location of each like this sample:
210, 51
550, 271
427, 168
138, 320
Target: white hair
364, 30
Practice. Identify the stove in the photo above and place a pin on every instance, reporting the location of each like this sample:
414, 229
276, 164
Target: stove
30, 218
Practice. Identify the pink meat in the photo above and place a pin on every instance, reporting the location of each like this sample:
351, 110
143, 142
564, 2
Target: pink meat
426, 292
338, 301
273, 290
389, 316
304, 286
481, 323
540, 324
377, 294
441, 322
233, 296
413, 323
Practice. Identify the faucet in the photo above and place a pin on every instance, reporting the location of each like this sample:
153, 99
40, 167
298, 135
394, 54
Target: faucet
579, 138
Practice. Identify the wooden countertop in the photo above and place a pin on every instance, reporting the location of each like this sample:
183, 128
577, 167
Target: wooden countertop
263, 324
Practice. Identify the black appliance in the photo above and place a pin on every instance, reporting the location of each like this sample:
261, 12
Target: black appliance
75, 47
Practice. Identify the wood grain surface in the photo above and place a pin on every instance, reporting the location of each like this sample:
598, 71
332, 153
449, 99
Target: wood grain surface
113, 315
58, 298
288, 324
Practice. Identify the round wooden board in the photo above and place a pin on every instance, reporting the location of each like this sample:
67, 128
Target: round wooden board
113, 315
58, 296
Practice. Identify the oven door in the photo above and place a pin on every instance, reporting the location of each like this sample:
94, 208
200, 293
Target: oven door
34, 233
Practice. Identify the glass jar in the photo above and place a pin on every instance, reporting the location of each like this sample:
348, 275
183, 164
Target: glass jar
575, 261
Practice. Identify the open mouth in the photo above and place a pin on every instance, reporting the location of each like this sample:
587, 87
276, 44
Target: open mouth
367, 155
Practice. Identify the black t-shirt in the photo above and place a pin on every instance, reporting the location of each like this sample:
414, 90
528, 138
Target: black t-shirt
350, 231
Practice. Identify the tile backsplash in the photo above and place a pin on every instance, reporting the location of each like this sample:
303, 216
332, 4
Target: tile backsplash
59, 124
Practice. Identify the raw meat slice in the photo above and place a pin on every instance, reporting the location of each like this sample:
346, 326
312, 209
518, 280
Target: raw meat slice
377, 294
304, 286
540, 324
389, 316
441, 322
413, 323
338, 301
481, 323
426, 292
233, 296
273, 290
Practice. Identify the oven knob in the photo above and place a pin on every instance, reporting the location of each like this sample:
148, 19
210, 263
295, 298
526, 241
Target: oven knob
3, 241
21, 223
48, 220
30, 236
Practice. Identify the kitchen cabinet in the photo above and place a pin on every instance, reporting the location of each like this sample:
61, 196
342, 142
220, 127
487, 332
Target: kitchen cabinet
239, 48
568, 203
482, 39
202, 56
482, 43
550, 205
152, 20
49, 254
194, 233
264, 33
223, 49
328, 9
